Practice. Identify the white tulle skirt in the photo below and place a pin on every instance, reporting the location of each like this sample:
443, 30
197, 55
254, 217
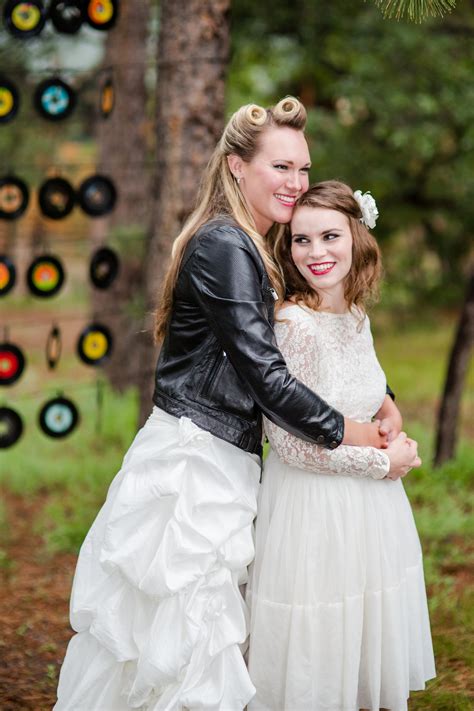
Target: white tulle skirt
156, 602
339, 618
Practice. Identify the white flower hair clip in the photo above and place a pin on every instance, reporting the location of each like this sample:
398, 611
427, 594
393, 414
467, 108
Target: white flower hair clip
368, 208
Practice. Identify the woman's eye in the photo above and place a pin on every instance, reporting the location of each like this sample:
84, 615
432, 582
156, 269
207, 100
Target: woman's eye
300, 240
330, 237
281, 166
305, 170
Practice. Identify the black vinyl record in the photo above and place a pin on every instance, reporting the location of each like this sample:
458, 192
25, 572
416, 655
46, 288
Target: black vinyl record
107, 97
104, 267
9, 100
56, 198
12, 363
54, 99
67, 16
7, 275
58, 417
45, 276
24, 19
95, 344
101, 14
11, 427
14, 197
97, 195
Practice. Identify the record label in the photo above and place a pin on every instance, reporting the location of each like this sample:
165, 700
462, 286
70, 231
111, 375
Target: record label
12, 363
58, 417
45, 276
7, 275
24, 19
9, 100
102, 14
56, 198
14, 197
54, 99
97, 195
95, 344
104, 267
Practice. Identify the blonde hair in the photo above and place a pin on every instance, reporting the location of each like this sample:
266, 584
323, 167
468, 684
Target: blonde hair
362, 282
220, 194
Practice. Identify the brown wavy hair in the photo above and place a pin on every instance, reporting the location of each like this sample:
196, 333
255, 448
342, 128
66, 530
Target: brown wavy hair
362, 283
220, 194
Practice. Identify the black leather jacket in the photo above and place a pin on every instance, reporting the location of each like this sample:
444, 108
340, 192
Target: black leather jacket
219, 364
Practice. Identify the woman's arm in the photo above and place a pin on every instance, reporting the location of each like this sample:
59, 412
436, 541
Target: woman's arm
224, 279
390, 419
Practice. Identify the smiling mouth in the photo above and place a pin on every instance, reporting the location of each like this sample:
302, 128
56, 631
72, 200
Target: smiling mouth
287, 200
323, 268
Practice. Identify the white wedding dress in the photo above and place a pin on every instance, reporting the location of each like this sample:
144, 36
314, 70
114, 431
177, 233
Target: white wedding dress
339, 618
156, 602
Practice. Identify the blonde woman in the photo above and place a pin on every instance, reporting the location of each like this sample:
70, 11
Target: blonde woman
339, 619
156, 602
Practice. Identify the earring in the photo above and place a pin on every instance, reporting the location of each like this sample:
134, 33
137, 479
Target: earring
238, 180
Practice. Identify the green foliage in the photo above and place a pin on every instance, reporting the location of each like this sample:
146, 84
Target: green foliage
391, 109
416, 10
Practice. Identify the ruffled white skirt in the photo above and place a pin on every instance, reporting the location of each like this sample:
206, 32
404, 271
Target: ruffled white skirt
156, 602
339, 618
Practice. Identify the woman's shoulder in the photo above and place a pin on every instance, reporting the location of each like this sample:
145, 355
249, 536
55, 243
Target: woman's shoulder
291, 311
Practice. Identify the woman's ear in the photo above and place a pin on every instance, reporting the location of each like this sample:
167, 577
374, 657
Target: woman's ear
235, 163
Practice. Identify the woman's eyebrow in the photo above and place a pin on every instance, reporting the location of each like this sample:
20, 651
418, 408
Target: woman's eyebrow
285, 160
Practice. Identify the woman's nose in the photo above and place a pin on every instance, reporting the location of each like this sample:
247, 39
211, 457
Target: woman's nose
294, 180
317, 250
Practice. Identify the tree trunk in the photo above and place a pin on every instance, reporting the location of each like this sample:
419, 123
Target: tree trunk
193, 53
123, 150
458, 363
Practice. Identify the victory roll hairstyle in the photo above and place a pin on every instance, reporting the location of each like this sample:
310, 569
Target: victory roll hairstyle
219, 193
362, 282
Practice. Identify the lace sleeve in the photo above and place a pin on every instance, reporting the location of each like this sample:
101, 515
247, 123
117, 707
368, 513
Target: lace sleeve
298, 344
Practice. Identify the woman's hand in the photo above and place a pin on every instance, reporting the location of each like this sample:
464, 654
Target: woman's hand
390, 419
364, 434
403, 455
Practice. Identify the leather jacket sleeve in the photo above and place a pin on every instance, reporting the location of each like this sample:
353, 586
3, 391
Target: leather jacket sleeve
224, 279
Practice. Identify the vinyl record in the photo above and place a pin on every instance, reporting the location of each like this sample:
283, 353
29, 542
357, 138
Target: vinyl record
104, 267
101, 14
54, 99
58, 417
97, 195
9, 100
95, 344
14, 197
11, 427
12, 363
67, 16
107, 98
45, 276
7, 275
24, 19
56, 198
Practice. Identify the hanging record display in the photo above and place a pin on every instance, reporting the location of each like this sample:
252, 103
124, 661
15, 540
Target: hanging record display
97, 195
107, 98
45, 276
54, 99
104, 267
9, 100
101, 14
67, 16
95, 344
14, 197
7, 275
58, 417
11, 427
24, 19
56, 198
12, 363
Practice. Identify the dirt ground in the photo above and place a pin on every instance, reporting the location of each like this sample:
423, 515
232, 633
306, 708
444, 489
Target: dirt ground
34, 600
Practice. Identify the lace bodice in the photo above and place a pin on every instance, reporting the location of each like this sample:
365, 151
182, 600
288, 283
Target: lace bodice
333, 354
